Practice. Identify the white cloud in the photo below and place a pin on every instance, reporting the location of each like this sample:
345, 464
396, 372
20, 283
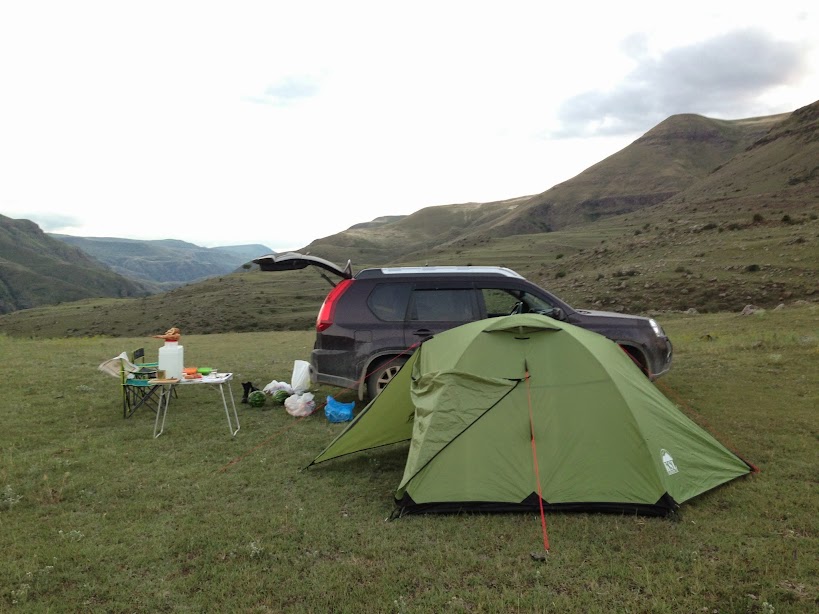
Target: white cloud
713, 77
278, 123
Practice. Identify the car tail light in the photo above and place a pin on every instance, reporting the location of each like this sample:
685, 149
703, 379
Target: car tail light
328, 307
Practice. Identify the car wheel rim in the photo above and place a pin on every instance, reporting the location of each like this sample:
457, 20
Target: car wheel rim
386, 377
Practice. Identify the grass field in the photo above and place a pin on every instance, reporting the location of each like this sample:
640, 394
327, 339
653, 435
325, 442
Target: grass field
97, 516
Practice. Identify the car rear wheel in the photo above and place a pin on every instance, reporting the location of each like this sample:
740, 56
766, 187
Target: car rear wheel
382, 375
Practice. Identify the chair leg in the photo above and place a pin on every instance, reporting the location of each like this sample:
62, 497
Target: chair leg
135, 397
126, 403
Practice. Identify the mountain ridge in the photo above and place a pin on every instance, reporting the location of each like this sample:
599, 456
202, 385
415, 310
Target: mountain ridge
664, 162
695, 214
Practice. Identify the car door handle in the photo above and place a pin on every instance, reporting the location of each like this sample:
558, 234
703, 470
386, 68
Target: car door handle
422, 332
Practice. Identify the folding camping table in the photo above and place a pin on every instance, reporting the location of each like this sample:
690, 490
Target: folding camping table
214, 379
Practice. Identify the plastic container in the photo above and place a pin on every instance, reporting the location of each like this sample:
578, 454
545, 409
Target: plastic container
172, 359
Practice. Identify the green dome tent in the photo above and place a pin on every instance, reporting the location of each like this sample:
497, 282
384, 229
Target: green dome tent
500, 410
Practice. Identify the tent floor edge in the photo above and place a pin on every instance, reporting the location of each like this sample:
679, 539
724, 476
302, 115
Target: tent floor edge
664, 506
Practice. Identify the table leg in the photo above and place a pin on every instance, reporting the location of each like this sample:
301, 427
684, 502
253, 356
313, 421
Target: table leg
227, 413
164, 399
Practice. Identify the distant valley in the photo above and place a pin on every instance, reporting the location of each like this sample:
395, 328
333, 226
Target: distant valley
167, 263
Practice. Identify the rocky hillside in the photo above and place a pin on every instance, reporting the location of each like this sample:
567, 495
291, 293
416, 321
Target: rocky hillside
783, 163
38, 270
677, 155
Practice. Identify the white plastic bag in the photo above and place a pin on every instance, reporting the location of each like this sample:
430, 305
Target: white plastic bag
274, 386
301, 376
300, 404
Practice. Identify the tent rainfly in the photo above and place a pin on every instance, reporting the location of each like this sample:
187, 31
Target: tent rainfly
500, 410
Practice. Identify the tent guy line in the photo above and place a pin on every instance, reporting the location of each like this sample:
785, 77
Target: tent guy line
534, 459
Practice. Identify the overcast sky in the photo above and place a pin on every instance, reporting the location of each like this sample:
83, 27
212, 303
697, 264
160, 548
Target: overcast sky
224, 123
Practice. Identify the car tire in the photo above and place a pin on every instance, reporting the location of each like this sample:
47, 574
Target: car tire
381, 375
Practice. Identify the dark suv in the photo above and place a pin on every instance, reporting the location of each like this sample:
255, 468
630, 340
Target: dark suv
372, 321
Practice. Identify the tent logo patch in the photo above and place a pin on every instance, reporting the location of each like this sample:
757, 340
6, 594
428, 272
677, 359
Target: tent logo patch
668, 463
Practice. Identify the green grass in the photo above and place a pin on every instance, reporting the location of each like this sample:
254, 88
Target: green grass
97, 516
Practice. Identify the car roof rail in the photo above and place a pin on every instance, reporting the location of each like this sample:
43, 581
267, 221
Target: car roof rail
439, 270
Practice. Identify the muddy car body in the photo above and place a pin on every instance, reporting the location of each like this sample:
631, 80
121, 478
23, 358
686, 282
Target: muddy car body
372, 321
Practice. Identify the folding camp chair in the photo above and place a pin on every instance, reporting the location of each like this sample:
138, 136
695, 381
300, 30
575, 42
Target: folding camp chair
138, 358
136, 389
134, 382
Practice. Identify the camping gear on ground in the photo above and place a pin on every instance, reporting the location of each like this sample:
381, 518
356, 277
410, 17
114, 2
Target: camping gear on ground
300, 381
505, 412
257, 398
335, 411
280, 391
300, 404
275, 386
280, 396
248, 387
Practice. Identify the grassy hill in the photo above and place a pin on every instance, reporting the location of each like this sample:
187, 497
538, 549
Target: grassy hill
668, 159
738, 224
36, 270
709, 258
675, 156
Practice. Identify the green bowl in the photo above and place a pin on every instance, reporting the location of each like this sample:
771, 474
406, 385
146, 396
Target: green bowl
205, 370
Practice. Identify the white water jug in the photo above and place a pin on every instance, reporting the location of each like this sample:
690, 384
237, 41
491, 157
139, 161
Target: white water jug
171, 359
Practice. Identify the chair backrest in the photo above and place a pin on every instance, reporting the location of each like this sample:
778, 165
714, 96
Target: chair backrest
114, 366
139, 360
120, 366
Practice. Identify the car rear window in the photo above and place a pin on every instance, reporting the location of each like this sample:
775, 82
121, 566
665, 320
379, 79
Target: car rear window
388, 302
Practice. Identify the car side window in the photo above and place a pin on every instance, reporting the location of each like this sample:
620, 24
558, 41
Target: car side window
443, 305
498, 302
504, 301
535, 304
388, 302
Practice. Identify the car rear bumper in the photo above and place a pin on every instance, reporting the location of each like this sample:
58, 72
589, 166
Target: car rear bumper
328, 368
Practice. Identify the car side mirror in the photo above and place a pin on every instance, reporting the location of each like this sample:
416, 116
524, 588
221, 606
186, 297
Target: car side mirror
557, 314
